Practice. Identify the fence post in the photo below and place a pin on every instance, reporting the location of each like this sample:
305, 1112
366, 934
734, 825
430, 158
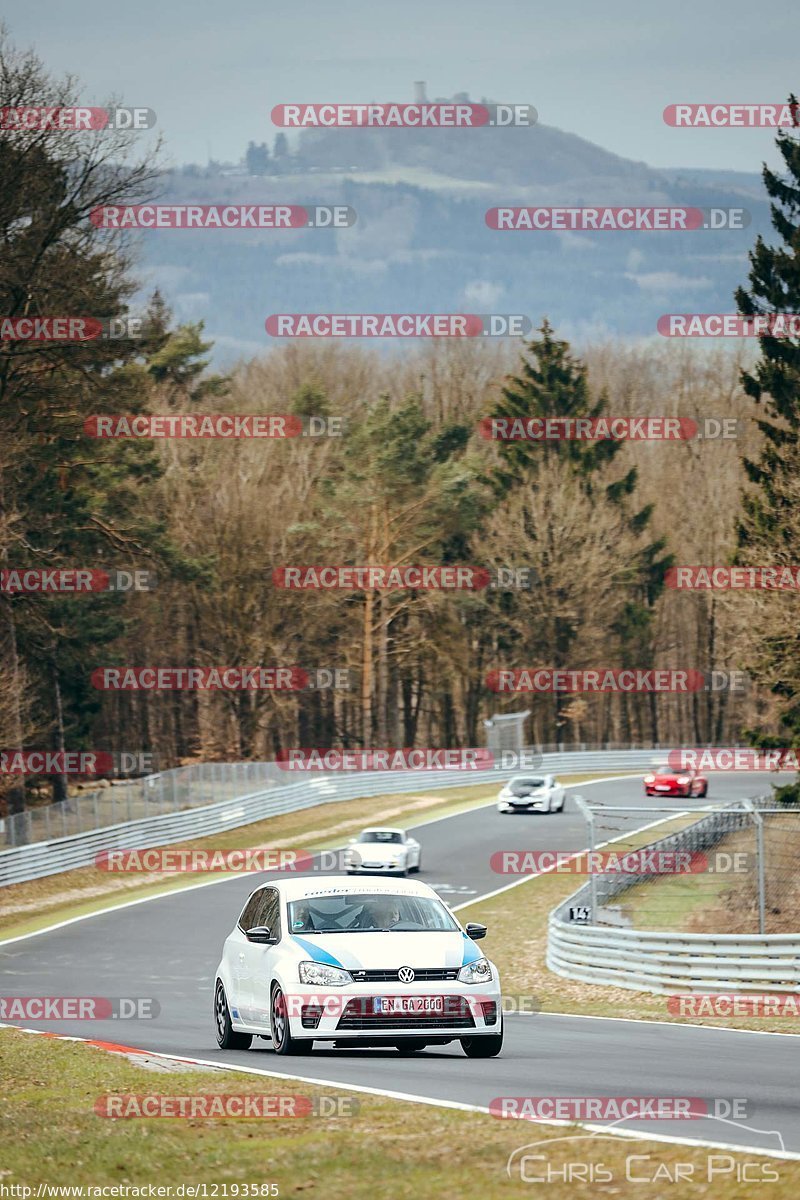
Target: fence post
588, 815
758, 820
762, 888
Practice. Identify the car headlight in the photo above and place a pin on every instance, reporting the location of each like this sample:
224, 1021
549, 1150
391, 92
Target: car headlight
684, 779
476, 972
321, 975
649, 778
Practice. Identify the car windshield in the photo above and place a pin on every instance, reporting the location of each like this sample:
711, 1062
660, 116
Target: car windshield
527, 783
380, 835
665, 771
369, 913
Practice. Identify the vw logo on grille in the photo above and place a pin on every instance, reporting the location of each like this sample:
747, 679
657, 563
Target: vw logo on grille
405, 975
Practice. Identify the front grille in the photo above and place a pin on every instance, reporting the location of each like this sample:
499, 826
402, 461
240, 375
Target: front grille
359, 1015
421, 975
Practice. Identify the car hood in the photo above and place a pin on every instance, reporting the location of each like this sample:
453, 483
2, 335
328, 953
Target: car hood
522, 792
388, 951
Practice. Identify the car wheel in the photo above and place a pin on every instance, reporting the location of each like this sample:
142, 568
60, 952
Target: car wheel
704, 792
411, 1046
282, 1040
418, 867
486, 1046
227, 1037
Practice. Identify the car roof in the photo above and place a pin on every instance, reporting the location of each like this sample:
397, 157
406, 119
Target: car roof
325, 885
382, 829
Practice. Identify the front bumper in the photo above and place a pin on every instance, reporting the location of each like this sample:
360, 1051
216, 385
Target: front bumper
469, 1010
374, 868
523, 803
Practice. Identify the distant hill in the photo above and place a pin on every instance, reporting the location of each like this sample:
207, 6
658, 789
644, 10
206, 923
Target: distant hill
421, 242
516, 156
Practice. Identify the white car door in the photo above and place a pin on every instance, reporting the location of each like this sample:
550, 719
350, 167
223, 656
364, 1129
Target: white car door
556, 795
242, 960
262, 956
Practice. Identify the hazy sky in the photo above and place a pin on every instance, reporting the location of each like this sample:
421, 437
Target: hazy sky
604, 70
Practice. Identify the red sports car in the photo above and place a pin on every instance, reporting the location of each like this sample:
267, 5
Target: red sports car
668, 782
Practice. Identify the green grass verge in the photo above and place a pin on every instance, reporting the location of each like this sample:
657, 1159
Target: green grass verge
389, 1150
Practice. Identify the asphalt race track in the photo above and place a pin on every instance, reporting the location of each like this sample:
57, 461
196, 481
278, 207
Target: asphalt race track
168, 948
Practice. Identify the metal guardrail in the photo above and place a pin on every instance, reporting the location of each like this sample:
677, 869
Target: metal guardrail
26, 862
647, 961
654, 961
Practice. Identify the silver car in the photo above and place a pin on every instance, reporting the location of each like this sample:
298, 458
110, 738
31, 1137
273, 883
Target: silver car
531, 793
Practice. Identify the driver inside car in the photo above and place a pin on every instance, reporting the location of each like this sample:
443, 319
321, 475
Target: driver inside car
381, 914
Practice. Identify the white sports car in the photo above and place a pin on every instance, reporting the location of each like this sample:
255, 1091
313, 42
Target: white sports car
379, 962
379, 851
526, 793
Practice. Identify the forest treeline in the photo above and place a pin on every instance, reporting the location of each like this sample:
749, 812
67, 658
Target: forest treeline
410, 480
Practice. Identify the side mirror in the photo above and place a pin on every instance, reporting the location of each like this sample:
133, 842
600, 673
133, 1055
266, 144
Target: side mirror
262, 935
475, 931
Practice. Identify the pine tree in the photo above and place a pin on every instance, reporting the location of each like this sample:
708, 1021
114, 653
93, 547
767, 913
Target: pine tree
767, 531
553, 383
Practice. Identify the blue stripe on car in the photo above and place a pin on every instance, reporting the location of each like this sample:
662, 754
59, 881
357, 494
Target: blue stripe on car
316, 952
471, 952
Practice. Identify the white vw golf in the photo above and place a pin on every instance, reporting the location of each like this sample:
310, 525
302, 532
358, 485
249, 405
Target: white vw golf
355, 962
